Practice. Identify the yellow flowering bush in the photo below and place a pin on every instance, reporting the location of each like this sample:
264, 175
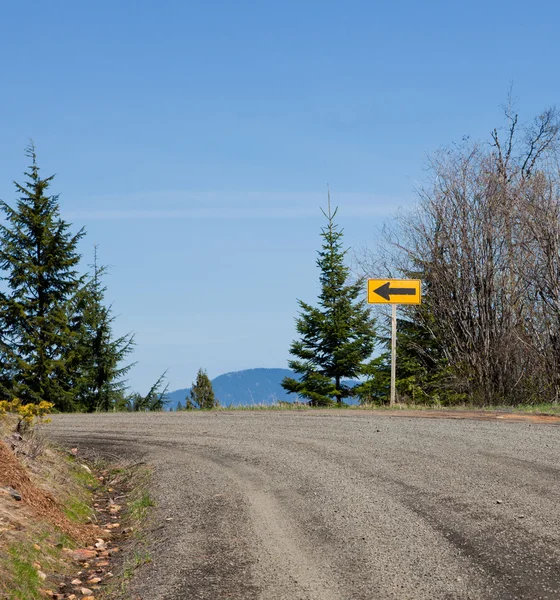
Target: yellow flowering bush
27, 413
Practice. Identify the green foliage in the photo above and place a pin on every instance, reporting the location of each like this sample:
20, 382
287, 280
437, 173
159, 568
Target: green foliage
56, 342
38, 260
202, 393
99, 382
423, 375
338, 336
154, 400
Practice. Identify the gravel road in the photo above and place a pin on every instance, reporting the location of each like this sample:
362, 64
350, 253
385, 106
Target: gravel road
331, 505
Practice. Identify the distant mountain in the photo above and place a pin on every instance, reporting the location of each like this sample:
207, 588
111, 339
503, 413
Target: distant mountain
243, 388
252, 386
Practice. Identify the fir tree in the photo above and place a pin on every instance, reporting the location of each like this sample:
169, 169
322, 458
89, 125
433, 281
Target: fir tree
423, 375
202, 393
337, 336
38, 260
98, 355
5, 369
154, 400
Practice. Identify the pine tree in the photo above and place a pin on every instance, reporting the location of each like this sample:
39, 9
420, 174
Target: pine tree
99, 356
38, 260
338, 336
202, 393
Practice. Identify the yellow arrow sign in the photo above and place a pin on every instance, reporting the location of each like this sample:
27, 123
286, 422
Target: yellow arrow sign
394, 291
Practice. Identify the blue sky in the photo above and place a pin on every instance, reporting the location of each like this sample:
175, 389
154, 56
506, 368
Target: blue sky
195, 140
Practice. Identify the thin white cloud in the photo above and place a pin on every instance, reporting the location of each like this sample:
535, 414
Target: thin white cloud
231, 206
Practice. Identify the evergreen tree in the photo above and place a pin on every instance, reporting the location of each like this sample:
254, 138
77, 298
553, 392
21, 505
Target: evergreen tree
202, 393
5, 369
423, 375
338, 336
99, 356
154, 400
38, 260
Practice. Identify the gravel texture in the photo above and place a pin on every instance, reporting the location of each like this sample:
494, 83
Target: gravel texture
340, 504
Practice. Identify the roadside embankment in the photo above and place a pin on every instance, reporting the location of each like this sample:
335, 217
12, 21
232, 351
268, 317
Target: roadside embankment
68, 522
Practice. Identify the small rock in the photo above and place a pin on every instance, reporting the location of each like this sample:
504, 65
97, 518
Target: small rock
36, 546
93, 580
103, 563
499, 502
100, 544
81, 555
85, 468
13, 493
74, 451
76, 582
520, 516
86, 591
41, 575
71, 597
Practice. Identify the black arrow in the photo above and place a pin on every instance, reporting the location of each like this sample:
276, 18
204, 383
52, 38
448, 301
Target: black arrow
385, 291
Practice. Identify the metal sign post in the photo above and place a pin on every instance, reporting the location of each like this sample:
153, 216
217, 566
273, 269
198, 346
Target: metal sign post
394, 291
393, 354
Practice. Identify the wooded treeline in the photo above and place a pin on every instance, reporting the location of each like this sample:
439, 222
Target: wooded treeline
56, 338
485, 240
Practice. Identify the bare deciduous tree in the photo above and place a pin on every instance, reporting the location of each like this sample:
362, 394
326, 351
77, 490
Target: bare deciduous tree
485, 238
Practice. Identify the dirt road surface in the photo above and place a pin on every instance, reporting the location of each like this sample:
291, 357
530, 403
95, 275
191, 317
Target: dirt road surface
340, 505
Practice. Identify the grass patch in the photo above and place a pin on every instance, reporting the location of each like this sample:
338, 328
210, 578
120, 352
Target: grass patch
137, 514
25, 578
138, 508
139, 558
542, 408
77, 510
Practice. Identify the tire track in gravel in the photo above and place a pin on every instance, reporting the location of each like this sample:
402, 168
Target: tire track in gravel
284, 506
292, 566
